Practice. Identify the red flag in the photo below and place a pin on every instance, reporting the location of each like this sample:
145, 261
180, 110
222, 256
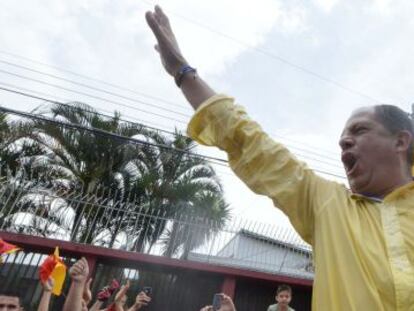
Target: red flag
7, 248
54, 267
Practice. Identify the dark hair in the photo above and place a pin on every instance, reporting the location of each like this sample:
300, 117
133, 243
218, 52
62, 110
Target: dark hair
11, 293
282, 288
395, 120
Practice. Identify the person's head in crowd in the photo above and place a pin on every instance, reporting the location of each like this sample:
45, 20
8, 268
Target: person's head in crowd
10, 301
283, 295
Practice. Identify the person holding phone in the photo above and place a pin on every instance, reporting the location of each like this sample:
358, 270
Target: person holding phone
141, 300
221, 302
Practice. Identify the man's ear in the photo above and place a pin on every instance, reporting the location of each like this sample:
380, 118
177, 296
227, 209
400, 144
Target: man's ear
404, 140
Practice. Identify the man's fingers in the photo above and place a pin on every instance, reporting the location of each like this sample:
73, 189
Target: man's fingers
156, 29
161, 16
153, 23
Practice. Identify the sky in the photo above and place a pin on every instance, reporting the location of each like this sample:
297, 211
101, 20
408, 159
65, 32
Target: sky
299, 67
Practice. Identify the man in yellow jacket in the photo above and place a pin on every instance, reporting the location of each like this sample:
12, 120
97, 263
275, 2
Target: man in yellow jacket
363, 239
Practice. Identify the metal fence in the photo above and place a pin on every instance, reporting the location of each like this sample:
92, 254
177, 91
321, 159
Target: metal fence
170, 288
173, 289
34, 206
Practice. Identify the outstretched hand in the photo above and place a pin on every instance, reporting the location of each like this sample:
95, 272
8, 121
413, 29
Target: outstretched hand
141, 300
167, 45
79, 271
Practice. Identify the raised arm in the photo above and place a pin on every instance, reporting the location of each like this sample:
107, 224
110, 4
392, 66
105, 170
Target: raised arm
141, 300
78, 274
46, 295
194, 88
264, 165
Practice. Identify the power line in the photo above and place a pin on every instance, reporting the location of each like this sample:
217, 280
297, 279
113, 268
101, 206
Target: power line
74, 82
215, 160
106, 133
91, 96
154, 128
115, 86
23, 92
276, 57
95, 88
308, 145
182, 122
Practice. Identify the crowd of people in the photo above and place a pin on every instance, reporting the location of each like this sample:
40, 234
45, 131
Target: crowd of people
80, 298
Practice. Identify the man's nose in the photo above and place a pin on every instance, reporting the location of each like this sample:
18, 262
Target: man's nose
346, 142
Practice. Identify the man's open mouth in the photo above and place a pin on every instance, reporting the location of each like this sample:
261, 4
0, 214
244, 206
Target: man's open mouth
349, 160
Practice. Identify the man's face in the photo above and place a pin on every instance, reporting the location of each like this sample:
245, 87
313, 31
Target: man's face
9, 303
284, 298
369, 153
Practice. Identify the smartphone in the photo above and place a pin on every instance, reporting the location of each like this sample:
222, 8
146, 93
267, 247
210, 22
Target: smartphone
216, 302
147, 290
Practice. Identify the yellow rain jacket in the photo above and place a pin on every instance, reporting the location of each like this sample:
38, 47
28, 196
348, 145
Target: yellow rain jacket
363, 248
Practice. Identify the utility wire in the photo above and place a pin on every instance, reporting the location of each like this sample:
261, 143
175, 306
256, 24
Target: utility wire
24, 92
91, 96
154, 128
217, 161
106, 133
121, 96
115, 86
93, 79
94, 88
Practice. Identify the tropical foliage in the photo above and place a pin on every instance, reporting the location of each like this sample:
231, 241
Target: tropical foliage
96, 186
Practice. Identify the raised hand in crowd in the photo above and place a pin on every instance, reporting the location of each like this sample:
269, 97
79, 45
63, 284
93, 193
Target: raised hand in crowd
120, 298
78, 274
226, 304
46, 295
141, 300
104, 294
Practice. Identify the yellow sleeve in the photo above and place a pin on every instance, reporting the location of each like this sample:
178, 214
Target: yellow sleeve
266, 166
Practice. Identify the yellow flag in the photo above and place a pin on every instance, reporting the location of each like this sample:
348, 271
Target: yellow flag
54, 267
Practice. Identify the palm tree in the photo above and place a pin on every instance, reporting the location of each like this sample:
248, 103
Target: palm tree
145, 187
82, 160
171, 183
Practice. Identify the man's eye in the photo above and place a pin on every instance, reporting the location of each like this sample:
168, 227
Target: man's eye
360, 130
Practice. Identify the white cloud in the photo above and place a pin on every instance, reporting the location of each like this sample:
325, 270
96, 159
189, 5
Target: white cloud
326, 5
